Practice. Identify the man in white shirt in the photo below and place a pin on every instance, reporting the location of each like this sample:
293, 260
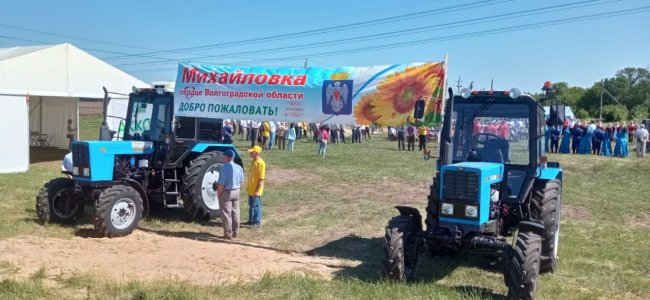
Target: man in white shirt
255, 128
242, 129
272, 137
641, 137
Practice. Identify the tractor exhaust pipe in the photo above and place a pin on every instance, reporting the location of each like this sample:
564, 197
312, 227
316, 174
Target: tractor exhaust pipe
447, 148
104, 131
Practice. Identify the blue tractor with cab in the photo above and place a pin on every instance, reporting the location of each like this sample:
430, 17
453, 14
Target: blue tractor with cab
489, 185
160, 161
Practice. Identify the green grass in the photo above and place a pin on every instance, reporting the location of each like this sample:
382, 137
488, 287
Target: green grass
338, 207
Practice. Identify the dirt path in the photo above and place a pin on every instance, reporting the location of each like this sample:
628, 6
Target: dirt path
147, 256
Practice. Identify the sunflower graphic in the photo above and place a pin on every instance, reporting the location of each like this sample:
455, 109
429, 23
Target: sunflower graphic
363, 111
395, 98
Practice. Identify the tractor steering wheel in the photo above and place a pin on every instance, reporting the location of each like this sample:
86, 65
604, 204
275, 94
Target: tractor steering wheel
482, 138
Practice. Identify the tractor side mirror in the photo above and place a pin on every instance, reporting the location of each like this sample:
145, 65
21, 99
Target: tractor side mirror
418, 112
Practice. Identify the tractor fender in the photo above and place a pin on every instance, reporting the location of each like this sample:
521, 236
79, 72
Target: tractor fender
411, 212
532, 225
138, 187
205, 147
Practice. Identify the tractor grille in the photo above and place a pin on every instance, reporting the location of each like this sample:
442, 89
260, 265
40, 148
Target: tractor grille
80, 155
460, 186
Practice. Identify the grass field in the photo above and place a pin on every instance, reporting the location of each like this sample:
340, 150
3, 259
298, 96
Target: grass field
338, 207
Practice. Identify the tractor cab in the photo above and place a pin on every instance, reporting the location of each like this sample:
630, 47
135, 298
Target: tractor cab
498, 127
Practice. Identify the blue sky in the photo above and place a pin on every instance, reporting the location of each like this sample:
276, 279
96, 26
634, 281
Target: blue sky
580, 53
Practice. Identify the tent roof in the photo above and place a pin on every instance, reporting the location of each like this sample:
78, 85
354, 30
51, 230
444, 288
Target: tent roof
60, 70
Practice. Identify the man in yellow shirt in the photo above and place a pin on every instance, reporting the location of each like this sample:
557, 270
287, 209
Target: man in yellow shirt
266, 134
256, 176
423, 133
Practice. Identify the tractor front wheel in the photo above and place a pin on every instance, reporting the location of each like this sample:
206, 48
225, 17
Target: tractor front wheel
199, 186
118, 211
546, 206
522, 265
57, 202
401, 248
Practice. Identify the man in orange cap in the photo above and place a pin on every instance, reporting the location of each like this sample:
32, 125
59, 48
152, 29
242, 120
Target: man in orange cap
256, 176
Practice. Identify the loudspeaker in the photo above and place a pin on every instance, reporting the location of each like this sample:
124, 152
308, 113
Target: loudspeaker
556, 116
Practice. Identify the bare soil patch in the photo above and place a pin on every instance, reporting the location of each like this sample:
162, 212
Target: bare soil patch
574, 213
279, 176
641, 222
147, 256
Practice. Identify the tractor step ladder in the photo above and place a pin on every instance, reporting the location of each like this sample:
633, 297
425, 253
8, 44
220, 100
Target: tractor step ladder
170, 188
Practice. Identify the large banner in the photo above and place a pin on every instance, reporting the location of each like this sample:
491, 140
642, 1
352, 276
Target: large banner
384, 95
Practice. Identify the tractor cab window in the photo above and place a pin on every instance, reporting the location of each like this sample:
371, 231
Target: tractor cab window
491, 133
149, 118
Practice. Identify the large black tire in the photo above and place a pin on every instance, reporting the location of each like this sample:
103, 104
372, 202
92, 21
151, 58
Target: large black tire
57, 202
401, 249
118, 211
522, 265
199, 196
546, 201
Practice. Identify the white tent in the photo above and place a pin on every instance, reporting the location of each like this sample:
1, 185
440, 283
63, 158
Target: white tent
40, 87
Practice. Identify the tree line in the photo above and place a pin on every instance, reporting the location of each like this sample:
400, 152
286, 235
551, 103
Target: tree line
630, 86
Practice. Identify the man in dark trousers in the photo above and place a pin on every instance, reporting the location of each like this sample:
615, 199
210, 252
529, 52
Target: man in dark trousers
576, 136
597, 140
555, 138
400, 138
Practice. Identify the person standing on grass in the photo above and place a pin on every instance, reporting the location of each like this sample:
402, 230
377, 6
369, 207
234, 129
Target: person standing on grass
70, 133
422, 136
323, 137
227, 133
242, 129
400, 138
555, 138
631, 130
341, 131
597, 140
230, 180
272, 129
576, 134
291, 135
255, 188
281, 132
255, 132
565, 144
266, 134
606, 145
305, 128
620, 149
410, 138
641, 137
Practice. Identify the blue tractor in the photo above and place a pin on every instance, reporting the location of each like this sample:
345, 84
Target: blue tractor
161, 161
493, 181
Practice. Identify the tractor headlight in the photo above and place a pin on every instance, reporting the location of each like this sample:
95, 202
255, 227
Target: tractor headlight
447, 209
75, 171
471, 211
86, 172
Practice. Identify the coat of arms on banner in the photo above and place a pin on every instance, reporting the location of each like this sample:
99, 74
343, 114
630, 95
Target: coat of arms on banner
337, 97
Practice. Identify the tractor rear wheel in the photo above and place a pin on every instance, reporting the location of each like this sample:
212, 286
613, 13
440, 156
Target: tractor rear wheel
546, 200
401, 248
199, 190
57, 202
522, 265
118, 211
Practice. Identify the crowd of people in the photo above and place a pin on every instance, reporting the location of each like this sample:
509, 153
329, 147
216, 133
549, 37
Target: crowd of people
283, 135
597, 138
